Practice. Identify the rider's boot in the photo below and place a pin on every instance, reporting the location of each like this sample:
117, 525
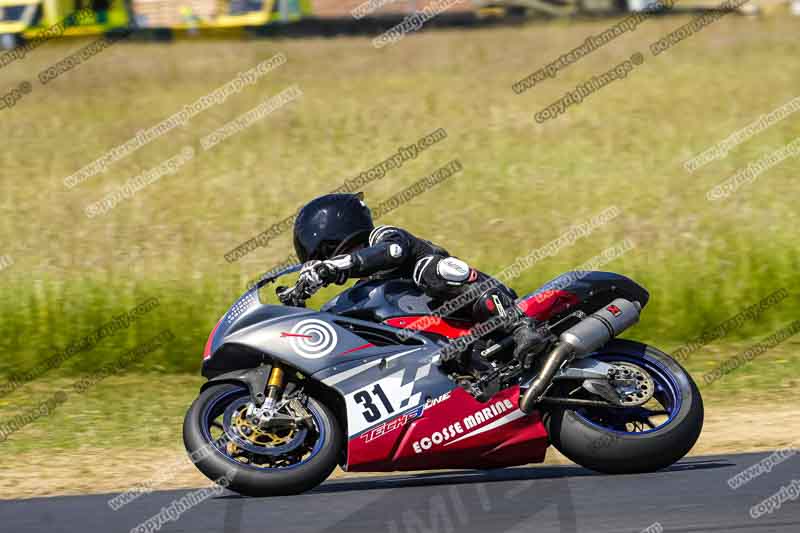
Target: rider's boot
530, 339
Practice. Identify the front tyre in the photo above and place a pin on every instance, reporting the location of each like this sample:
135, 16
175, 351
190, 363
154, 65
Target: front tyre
636, 439
260, 462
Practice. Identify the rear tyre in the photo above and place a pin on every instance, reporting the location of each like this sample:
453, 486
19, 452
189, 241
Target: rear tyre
603, 442
301, 469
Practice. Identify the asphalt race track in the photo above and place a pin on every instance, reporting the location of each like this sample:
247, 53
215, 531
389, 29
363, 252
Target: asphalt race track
693, 495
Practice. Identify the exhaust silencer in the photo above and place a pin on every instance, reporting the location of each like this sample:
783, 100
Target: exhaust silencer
581, 339
599, 328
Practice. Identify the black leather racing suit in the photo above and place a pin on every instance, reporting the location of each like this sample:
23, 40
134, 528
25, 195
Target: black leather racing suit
393, 253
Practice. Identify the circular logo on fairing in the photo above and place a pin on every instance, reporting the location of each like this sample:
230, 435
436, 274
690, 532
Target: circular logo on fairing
312, 338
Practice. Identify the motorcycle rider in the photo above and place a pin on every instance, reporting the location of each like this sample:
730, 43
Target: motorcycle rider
335, 238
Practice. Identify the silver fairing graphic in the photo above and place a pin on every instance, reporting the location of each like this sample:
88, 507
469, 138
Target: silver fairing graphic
401, 382
349, 355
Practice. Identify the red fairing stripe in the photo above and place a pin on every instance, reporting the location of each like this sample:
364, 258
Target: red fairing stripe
210, 341
368, 345
442, 326
541, 306
545, 304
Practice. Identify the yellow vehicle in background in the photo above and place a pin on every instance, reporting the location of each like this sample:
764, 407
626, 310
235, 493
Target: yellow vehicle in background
22, 20
28, 19
210, 14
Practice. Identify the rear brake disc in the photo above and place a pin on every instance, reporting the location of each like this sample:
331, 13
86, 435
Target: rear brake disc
634, 385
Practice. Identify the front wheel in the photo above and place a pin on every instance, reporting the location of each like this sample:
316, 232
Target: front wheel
293, 454
634, 439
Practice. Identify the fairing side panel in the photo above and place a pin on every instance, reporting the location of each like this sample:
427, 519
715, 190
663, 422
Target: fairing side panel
404, 413
381, 388
452, 430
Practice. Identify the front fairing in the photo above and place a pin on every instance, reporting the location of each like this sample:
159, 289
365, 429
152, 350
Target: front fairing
252, 332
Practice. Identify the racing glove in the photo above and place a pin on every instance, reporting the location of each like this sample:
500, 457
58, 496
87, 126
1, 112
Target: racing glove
317, 274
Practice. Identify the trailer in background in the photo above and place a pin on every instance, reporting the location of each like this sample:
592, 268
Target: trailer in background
213, 14
31, 19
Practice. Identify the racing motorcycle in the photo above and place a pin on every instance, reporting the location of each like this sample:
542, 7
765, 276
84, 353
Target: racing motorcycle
291, 392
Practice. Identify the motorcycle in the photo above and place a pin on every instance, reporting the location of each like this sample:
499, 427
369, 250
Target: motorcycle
291, 392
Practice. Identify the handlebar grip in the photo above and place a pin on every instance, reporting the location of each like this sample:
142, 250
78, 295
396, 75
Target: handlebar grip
294, 296
284, 294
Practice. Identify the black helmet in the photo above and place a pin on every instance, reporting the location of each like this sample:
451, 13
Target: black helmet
331, 224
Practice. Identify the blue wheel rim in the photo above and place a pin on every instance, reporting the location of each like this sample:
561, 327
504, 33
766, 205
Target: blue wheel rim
667, 393
220, 400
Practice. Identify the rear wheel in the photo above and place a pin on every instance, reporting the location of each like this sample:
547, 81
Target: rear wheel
293, 454
635, 439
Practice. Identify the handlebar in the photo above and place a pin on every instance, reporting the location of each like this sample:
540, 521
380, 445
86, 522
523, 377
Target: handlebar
273, 275
304, 289
295, 296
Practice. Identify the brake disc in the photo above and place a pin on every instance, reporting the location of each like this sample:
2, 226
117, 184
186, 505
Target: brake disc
257, 435
633, 384
249, 436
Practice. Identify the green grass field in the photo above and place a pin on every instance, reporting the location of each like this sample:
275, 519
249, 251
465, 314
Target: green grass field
523, 185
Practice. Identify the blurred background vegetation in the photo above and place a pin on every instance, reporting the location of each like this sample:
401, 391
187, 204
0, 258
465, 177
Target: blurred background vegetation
523, 185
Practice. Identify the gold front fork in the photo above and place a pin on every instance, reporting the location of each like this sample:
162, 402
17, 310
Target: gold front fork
274, 387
